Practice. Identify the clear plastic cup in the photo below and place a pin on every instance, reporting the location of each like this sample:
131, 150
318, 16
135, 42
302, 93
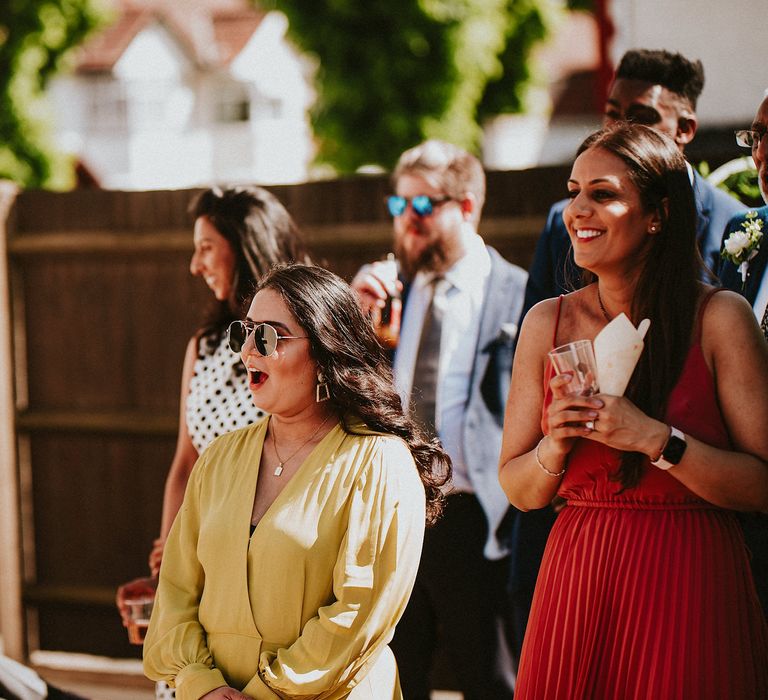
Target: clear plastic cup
139, 612
135, 600
578, 360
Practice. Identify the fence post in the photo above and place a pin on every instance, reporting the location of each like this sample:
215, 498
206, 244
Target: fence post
11, 609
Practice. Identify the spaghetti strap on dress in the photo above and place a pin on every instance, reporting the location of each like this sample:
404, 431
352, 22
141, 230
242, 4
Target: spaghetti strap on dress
646, 592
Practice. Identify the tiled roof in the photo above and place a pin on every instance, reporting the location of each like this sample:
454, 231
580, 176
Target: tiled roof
232, 30
212, 32
102, 50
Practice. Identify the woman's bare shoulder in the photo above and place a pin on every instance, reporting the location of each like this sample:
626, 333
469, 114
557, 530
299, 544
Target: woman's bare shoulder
564, 312
725, 309
728, 322
542, 315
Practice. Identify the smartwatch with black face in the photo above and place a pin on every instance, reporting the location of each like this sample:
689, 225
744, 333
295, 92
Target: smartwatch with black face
673, 451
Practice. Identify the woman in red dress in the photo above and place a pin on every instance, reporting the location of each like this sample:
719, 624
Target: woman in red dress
645, 589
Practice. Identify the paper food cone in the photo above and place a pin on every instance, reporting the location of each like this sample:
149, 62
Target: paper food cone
617, 350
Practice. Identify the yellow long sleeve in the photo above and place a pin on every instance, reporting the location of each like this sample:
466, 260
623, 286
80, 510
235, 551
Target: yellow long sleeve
305, 607
175, 648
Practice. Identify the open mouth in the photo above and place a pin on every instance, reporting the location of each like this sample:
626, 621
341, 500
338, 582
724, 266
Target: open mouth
256, 378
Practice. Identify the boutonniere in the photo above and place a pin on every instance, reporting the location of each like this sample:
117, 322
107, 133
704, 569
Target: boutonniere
742, 245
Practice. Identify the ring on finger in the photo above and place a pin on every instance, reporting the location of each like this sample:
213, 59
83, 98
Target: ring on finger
590, 425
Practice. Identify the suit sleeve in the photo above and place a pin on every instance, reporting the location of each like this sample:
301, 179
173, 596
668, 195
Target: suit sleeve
372, 581
175, 649
552, 269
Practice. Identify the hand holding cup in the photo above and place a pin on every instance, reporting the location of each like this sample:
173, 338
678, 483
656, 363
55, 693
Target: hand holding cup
378, 289
134, 601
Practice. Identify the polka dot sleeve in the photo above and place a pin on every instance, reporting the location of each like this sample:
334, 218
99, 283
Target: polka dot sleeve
219, 399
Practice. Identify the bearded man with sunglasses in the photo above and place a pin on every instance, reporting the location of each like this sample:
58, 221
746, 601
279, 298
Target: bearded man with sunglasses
461, 302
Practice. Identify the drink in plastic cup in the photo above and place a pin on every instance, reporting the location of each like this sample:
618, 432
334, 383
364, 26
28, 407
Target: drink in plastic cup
387, 320
139, 611
578, 360
138, 597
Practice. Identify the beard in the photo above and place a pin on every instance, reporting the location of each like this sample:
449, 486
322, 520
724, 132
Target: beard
431, 258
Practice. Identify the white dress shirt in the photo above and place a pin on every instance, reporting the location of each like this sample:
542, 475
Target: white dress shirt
461, 295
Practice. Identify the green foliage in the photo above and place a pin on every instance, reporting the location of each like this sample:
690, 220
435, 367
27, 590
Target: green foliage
391, 74
35, 35
383, 68
744, 186
737, 177
528, 22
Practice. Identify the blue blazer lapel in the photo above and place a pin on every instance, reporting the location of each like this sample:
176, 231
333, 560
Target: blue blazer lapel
497, 302
757, 267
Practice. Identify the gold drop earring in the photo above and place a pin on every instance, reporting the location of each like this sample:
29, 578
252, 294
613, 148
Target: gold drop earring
322, 391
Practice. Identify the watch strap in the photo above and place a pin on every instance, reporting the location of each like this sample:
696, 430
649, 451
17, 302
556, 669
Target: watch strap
673, 451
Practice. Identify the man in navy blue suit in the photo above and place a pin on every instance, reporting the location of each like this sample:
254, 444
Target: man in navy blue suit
659, 89
755, 289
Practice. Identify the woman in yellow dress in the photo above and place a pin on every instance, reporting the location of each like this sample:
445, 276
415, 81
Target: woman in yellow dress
299, 538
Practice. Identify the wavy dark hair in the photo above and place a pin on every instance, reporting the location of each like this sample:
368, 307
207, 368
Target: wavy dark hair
667, 291
261, 233
672, 70
356, 366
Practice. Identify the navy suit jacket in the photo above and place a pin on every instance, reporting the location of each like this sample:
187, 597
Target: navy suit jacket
554, 272
488, 390
755, 525
729, 274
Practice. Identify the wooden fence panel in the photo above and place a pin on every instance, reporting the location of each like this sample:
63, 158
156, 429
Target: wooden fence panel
100, 307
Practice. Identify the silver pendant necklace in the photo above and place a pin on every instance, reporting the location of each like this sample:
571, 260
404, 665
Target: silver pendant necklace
281, 462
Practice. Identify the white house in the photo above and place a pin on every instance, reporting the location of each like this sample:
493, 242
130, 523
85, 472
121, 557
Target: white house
180, 93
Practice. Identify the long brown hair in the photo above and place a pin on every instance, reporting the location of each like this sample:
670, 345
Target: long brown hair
667, 291
260, 232
356, 367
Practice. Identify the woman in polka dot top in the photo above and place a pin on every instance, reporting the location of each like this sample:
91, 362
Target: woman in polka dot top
239, 234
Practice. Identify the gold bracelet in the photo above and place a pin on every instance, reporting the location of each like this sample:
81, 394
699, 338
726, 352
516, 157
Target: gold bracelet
538, 461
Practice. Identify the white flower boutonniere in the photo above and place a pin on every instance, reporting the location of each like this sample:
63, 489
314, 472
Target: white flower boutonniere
742, 245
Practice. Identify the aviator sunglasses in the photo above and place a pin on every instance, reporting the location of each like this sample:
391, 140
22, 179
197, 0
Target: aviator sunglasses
265, 337
421, 204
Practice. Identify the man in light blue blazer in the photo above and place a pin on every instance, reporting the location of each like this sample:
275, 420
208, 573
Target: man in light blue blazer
461, 302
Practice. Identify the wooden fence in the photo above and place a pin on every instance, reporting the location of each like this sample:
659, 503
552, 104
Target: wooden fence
96, 305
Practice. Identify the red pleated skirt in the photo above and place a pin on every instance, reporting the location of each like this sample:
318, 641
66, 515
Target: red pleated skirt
645, 593
644, 601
